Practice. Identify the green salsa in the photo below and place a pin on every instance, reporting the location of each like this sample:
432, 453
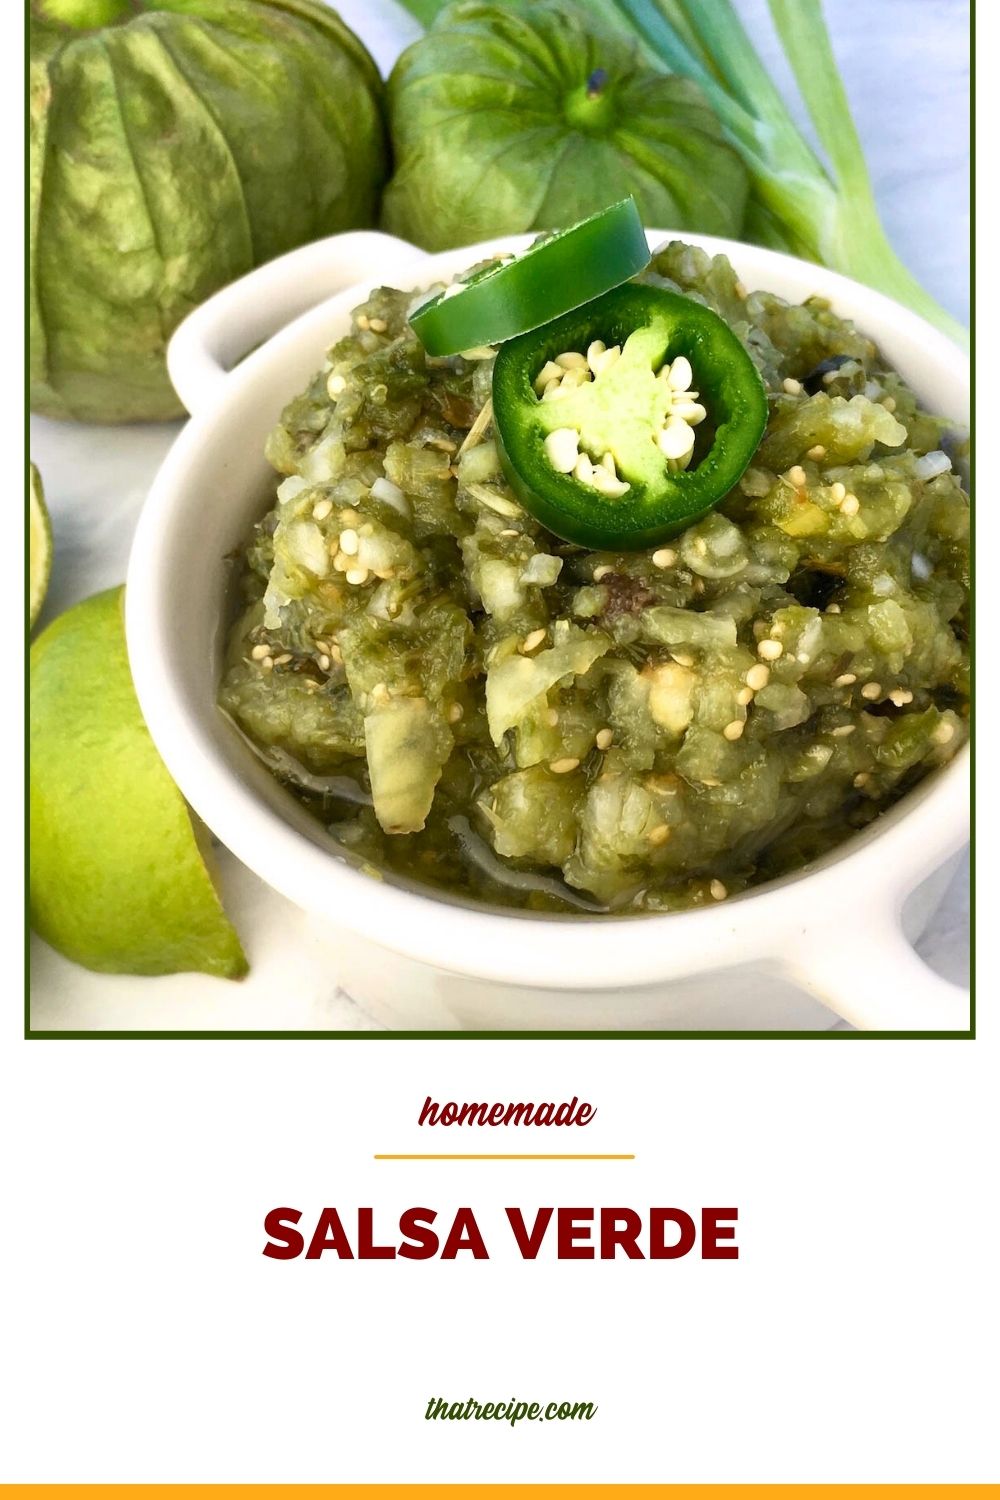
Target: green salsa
471, 704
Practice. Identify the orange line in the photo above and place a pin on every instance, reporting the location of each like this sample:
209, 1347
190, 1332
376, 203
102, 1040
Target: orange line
510, 1491
501, 1156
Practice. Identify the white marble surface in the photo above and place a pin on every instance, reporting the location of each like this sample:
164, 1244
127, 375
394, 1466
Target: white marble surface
906, 64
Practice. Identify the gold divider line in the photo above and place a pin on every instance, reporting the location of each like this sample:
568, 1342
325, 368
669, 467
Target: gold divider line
502, 1156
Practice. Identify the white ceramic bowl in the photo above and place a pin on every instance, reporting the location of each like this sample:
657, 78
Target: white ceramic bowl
835, 934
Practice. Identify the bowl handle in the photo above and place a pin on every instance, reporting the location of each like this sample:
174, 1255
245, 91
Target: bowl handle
217, 335
875, 979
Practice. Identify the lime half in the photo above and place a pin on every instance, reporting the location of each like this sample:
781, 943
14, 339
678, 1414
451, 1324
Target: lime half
39, 545
116, 878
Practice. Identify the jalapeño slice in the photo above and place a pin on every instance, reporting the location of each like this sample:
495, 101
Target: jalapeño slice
554, 275
624, 421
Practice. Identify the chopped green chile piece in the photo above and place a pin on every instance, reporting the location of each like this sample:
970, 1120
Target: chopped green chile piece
667, 454
554, 275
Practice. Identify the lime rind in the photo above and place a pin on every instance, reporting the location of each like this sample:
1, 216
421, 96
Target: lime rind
39, 545
117, 880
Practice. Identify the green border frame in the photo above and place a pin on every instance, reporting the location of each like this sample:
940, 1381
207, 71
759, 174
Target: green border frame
563, 1036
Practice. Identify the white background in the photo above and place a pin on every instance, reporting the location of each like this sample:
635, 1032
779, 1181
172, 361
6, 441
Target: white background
147, 1338
152, 1340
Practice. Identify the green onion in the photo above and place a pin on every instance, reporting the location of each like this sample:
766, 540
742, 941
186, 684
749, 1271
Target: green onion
798, 205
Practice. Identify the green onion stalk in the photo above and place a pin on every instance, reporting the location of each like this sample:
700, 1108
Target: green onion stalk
797, 204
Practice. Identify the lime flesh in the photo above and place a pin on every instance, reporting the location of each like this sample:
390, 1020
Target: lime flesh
117, 882
39, 545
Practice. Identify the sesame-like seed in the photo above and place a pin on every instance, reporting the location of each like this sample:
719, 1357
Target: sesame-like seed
349, 542
682, 658
605, 481
803, 657
603, 738
846, 679
676, 442
283, 659
833, 609
594, 352
509, 531
889, 402
349, 517
797, 476
377, 325
259, 652
335, 386
602, 572
842, 731
532, 639
604, 359
560, 767
455, 713
734, 730
769, 650
943, 732
681, 374
356, 576
583, 468
562, 449
267, 663
862, 778
551, 718
872, 690
816, 451
322, 509
744, 696
665, 557
838, 492
850, 506
717, 891
323, 662
549, 373
899, 696
829, 377
659, 834
758, 677
362, 320
793, 387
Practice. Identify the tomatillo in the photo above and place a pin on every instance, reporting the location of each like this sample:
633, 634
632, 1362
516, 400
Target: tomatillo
554, 275
625, 420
